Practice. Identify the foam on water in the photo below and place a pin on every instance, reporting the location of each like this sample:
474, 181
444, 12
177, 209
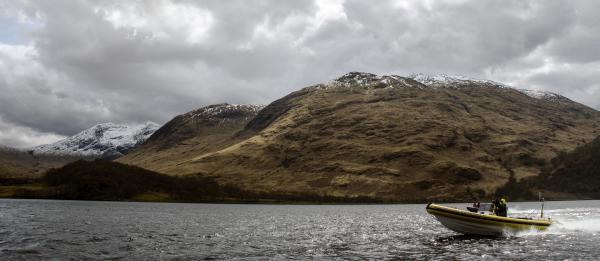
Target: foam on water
585, 225
571, 220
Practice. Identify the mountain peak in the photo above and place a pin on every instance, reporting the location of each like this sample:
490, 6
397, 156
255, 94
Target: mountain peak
356, 77
370, 80
101, 140
223, 110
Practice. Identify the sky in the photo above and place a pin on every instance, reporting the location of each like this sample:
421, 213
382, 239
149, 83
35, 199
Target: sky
68, 65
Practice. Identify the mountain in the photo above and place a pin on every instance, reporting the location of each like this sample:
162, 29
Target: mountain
106, 140
395, 138
200, 131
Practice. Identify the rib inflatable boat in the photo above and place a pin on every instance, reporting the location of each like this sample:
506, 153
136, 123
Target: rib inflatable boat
484, 222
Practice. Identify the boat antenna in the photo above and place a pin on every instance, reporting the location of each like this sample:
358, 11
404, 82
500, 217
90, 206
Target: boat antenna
542, 200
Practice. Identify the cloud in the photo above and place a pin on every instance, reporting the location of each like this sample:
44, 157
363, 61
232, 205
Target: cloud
67, 65
23, 137
159, 21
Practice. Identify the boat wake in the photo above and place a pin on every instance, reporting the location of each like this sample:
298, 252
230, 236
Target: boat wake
566, 221
584, 225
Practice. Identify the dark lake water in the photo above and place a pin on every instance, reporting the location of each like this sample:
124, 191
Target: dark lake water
49, 229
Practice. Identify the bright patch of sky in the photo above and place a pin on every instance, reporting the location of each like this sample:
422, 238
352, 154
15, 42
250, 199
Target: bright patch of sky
16, 27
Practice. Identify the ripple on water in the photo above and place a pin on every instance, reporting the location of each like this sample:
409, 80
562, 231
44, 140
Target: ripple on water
35, 229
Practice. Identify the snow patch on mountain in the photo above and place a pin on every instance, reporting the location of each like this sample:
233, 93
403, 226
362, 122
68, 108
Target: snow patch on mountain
106, 140
368, 80
445, 79
224, 110
543, 95
419, 80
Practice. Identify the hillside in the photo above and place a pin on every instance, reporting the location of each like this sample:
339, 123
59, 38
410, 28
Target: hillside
19, 164
109, 180
389, 137
200, 131
106, 180
571, 175
576, 172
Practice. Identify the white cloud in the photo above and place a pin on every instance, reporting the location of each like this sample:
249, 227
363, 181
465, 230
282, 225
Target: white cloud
159, 20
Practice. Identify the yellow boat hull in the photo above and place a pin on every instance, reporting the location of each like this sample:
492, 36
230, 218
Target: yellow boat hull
466, 222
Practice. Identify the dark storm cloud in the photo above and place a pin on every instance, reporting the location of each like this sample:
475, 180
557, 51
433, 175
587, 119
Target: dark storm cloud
86, 62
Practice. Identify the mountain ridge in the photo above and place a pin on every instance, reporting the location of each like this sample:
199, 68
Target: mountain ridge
377, 138
393, 137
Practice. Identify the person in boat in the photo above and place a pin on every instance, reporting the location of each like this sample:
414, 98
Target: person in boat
500, 207
476, 205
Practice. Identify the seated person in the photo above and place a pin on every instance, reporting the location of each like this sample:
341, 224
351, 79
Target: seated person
475, 207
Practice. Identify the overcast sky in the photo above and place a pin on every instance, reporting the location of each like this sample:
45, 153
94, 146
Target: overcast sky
67, 65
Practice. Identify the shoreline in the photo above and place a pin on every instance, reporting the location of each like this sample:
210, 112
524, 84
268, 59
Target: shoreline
266, 201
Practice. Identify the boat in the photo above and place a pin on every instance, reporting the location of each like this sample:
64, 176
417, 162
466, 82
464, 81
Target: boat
481, 221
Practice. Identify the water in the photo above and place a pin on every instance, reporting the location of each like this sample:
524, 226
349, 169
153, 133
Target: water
49, 229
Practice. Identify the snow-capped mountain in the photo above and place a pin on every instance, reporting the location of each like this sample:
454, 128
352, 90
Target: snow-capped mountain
106, 140
444, 80
435, 81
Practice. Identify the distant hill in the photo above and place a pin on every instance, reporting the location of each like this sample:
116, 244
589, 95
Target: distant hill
109, 180
200, 131
20, 164
412, 138
105, 180
106, 140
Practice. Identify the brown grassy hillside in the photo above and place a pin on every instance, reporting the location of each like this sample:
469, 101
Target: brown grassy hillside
17, 164
572, 175
388, 137
197, 132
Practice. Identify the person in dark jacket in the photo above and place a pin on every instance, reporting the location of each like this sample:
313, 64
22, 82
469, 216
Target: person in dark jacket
500, 207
